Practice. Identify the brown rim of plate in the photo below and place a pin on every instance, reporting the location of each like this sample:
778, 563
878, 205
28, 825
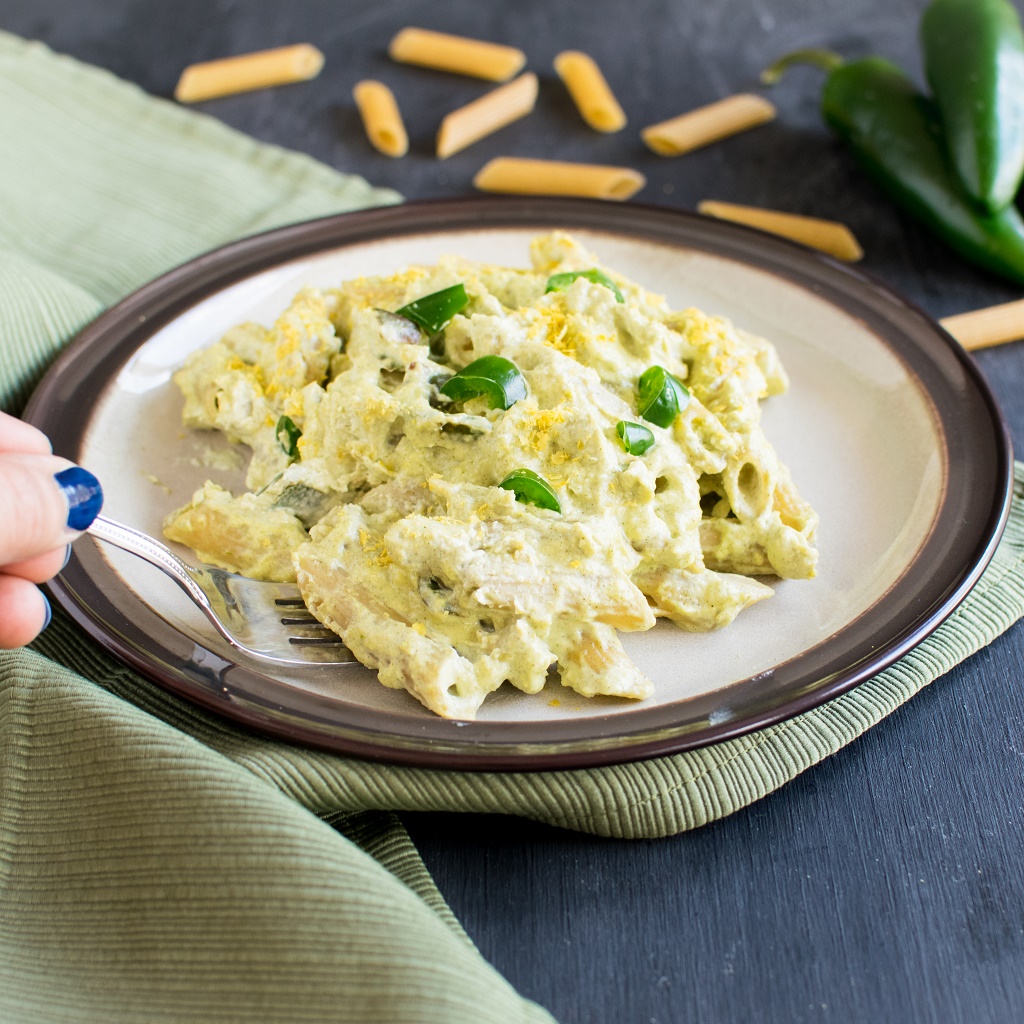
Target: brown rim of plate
967, 526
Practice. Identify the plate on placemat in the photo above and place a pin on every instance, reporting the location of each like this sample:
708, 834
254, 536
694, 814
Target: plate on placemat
888, 429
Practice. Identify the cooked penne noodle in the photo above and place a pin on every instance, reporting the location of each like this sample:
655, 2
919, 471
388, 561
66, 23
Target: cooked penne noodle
381, 117
463, 56
984, 328
520, 176
749, 482
248, 71
708, 124
793, 510
501, 106
827, 235
589, 91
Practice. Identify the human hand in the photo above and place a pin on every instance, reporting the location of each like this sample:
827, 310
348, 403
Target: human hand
45, 503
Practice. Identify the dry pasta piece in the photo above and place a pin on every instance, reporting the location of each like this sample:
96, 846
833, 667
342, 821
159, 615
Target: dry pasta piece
381, 117
589, 91
983, 328
708, 124
248, 71
520, 176
500, 107
827, 235
464, 56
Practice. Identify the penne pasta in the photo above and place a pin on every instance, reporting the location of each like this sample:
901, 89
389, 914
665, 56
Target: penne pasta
520, 176
708, 124
463, 56
827, 235
498, 108
433, 564
248, 71
749, 483
381, 117
589, 91
983, 328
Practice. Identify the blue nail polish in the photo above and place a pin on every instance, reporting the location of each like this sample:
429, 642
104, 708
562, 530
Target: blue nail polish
49, 612
85, 496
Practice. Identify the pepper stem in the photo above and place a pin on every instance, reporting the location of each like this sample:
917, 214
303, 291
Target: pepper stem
824, 59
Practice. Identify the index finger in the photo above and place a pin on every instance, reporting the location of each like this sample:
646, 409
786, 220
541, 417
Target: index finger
18, 436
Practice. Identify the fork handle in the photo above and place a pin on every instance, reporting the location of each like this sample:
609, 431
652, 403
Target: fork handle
152, 551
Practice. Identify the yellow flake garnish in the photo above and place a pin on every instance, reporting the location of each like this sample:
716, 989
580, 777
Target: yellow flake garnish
293, 404
551, 327
543, 421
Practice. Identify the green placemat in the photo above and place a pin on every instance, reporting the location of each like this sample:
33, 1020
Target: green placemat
158, 864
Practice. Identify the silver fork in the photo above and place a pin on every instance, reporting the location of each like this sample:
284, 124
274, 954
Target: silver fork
265, 620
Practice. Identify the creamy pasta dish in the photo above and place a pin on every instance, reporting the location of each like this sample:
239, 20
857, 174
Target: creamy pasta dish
478, 474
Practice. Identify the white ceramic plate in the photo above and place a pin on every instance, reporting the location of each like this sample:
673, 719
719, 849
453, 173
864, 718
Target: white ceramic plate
888, 430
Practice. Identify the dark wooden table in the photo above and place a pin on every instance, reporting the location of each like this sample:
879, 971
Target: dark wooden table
886, 884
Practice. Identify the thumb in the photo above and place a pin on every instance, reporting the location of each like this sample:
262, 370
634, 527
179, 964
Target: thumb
45, 502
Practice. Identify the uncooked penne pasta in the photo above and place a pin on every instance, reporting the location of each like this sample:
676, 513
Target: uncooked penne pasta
501, 106
827, 235
464, 56
520, 176
248, 71
381, 117
708, 124
589, 91
983, 328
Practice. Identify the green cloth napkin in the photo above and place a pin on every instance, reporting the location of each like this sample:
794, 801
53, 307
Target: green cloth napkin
159, 864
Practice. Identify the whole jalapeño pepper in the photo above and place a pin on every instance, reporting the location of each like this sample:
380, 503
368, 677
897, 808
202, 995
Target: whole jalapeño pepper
974, 59
895, 134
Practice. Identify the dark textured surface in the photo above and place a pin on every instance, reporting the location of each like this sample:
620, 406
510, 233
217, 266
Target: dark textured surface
887, 884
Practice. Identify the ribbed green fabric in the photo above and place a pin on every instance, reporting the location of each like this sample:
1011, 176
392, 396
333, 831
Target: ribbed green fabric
159, 864
144, 876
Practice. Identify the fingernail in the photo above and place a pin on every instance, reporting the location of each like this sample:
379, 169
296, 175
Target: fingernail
49, 612
84, 494
67, 558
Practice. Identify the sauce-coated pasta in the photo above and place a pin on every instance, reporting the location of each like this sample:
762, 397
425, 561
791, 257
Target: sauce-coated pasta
478, 474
